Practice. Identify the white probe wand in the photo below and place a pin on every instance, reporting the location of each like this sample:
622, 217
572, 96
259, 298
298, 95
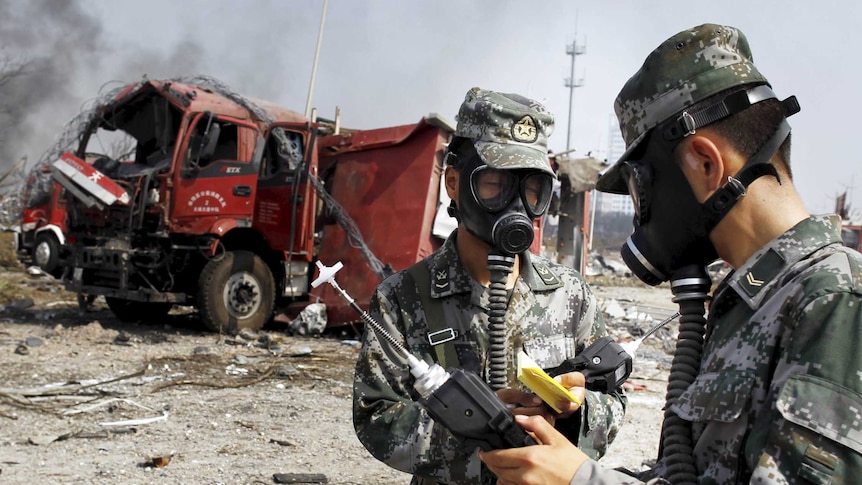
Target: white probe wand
632, 347
460, 402
428, 378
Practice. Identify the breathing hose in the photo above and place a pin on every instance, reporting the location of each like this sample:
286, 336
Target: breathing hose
690, 286
500, 266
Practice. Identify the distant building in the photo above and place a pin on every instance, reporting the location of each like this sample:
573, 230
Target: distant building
613, 203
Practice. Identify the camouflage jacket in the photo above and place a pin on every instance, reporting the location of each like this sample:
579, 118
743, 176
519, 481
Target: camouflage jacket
778, 399
552, 315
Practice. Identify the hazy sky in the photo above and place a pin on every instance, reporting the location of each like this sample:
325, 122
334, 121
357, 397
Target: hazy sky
389, 62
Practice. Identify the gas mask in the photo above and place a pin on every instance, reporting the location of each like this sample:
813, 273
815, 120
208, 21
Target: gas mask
671, 226
668, 231
499, 206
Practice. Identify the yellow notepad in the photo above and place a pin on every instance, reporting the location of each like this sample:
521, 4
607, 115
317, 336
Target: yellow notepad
545, 386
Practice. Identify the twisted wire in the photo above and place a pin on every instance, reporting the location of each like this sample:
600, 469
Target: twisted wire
354, 235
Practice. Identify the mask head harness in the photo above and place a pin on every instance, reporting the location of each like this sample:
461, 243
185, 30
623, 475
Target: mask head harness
672, 230
718, 205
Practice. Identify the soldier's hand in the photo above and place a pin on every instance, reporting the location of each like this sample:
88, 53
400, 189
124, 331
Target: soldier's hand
554, 461
526, 403
574, 382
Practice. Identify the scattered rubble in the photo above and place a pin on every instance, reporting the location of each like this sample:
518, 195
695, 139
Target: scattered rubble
96, 400
310, 321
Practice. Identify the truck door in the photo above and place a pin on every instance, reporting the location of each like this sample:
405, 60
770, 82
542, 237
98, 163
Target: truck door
217, 178
286, 200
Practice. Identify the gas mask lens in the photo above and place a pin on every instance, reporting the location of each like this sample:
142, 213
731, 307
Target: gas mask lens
536, 190
495, 189
638, 179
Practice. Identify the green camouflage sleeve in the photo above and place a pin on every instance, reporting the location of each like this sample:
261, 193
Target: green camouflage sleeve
389, 423
594, 430
818, 436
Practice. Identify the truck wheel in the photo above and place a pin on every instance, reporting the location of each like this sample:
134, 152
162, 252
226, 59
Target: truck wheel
46, 254
236, 292
136, 311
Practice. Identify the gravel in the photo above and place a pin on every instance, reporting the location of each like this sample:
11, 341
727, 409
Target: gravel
97, 401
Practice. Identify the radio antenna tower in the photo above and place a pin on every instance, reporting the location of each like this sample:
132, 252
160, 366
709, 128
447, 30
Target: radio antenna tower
573, 50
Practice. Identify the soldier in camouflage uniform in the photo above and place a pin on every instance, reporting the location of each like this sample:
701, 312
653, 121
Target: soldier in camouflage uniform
439, 308
778, 396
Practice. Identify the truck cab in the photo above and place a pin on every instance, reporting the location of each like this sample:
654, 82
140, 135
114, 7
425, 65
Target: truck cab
42, 235
172, 222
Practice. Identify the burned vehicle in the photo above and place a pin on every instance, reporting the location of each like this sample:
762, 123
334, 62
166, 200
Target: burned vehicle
224, 203
41, 237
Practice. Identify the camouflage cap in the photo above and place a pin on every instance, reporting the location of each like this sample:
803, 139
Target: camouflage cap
685, 69
508, 130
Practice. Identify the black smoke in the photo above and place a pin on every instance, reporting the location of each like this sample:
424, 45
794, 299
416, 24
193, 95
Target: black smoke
54, 57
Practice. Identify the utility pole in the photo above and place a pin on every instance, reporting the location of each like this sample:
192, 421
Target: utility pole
316, 56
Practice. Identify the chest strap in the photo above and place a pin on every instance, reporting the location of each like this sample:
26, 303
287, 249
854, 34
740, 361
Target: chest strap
440, 337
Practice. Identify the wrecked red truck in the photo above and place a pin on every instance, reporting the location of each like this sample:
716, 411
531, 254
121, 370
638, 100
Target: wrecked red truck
226, 203
42, 233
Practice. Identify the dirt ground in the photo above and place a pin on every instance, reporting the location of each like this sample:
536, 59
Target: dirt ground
85, 398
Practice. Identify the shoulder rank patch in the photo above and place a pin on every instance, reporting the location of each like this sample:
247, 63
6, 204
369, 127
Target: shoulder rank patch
546, 275
762, 272
441, 281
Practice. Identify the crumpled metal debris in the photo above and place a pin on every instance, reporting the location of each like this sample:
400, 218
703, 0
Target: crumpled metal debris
310, 321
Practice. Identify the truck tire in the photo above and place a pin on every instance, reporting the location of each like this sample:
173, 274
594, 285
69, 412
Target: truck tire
46, 253
236, 292
138, 311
